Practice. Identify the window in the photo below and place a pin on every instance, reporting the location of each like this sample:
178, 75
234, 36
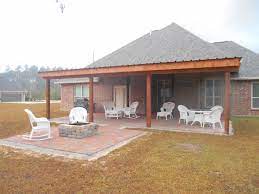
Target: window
81, 91
213, 93
255, 95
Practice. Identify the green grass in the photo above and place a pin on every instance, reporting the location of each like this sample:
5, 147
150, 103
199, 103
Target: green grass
246, 125
163, 162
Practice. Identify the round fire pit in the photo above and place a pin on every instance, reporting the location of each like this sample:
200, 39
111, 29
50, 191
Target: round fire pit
78, 130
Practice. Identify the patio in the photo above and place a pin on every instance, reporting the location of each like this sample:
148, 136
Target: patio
112, 134
109, 138
161, 124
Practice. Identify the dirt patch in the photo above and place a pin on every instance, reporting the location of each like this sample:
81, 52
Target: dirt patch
188, 147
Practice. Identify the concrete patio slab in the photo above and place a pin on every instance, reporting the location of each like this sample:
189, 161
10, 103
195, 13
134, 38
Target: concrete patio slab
161, 124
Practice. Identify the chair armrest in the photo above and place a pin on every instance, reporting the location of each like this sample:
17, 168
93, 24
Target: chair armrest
127, 109
41, 120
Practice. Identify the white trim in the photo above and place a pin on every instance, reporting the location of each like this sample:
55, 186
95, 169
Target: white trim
76, 80
252, 96
244, 78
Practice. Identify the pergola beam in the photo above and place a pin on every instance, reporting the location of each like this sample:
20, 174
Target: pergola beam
172, 67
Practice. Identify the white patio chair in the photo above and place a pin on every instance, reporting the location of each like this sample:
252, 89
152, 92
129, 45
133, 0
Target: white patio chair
213, 117
110, 111
166, 110
185, 114
216, 107
130, 112
78, 115
40, 128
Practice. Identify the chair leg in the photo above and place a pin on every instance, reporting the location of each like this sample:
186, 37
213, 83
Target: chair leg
31, 134
220, 125
49, 132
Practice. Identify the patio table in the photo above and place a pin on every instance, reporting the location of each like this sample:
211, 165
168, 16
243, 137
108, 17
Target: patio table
199, 115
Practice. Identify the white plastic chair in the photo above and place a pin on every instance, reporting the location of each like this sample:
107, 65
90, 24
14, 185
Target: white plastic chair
166, 110
185, 114
216, 107
213, 117
78, 115
110, 111
40, 128
130, 112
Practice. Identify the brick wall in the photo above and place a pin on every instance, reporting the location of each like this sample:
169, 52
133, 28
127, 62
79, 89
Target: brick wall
67, 100
138, 92
103, 92
187, 94
241, 98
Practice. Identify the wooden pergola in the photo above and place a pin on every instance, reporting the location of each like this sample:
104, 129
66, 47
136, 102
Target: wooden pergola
225, 66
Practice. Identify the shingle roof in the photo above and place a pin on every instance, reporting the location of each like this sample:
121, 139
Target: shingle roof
249, 68
170, 44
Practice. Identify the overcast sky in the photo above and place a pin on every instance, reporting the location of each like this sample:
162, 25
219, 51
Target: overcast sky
34, 32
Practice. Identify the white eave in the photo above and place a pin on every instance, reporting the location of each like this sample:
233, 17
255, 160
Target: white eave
76, 80
245, 78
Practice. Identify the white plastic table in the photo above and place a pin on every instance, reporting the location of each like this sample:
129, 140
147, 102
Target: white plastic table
199, 115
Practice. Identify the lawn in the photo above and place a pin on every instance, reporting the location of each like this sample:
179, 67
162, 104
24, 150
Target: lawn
162, 162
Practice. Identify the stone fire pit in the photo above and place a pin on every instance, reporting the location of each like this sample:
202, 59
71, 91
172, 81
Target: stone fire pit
78, 131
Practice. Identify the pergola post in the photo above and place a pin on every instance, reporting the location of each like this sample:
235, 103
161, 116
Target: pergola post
227, 102
148, 99
47, 98
91, 100
128, 91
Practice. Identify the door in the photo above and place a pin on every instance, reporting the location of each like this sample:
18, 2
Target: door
120, 96
164, 92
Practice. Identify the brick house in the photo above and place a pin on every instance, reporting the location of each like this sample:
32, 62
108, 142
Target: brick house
170, 64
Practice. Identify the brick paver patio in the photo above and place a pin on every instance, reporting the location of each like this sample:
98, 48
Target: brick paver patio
109, 137
112, 134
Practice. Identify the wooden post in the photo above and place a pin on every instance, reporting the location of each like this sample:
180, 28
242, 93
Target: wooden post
227, 102
148, 99
47, 98
128, 91
91, 100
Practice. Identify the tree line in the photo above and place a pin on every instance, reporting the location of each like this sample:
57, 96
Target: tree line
25, 78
